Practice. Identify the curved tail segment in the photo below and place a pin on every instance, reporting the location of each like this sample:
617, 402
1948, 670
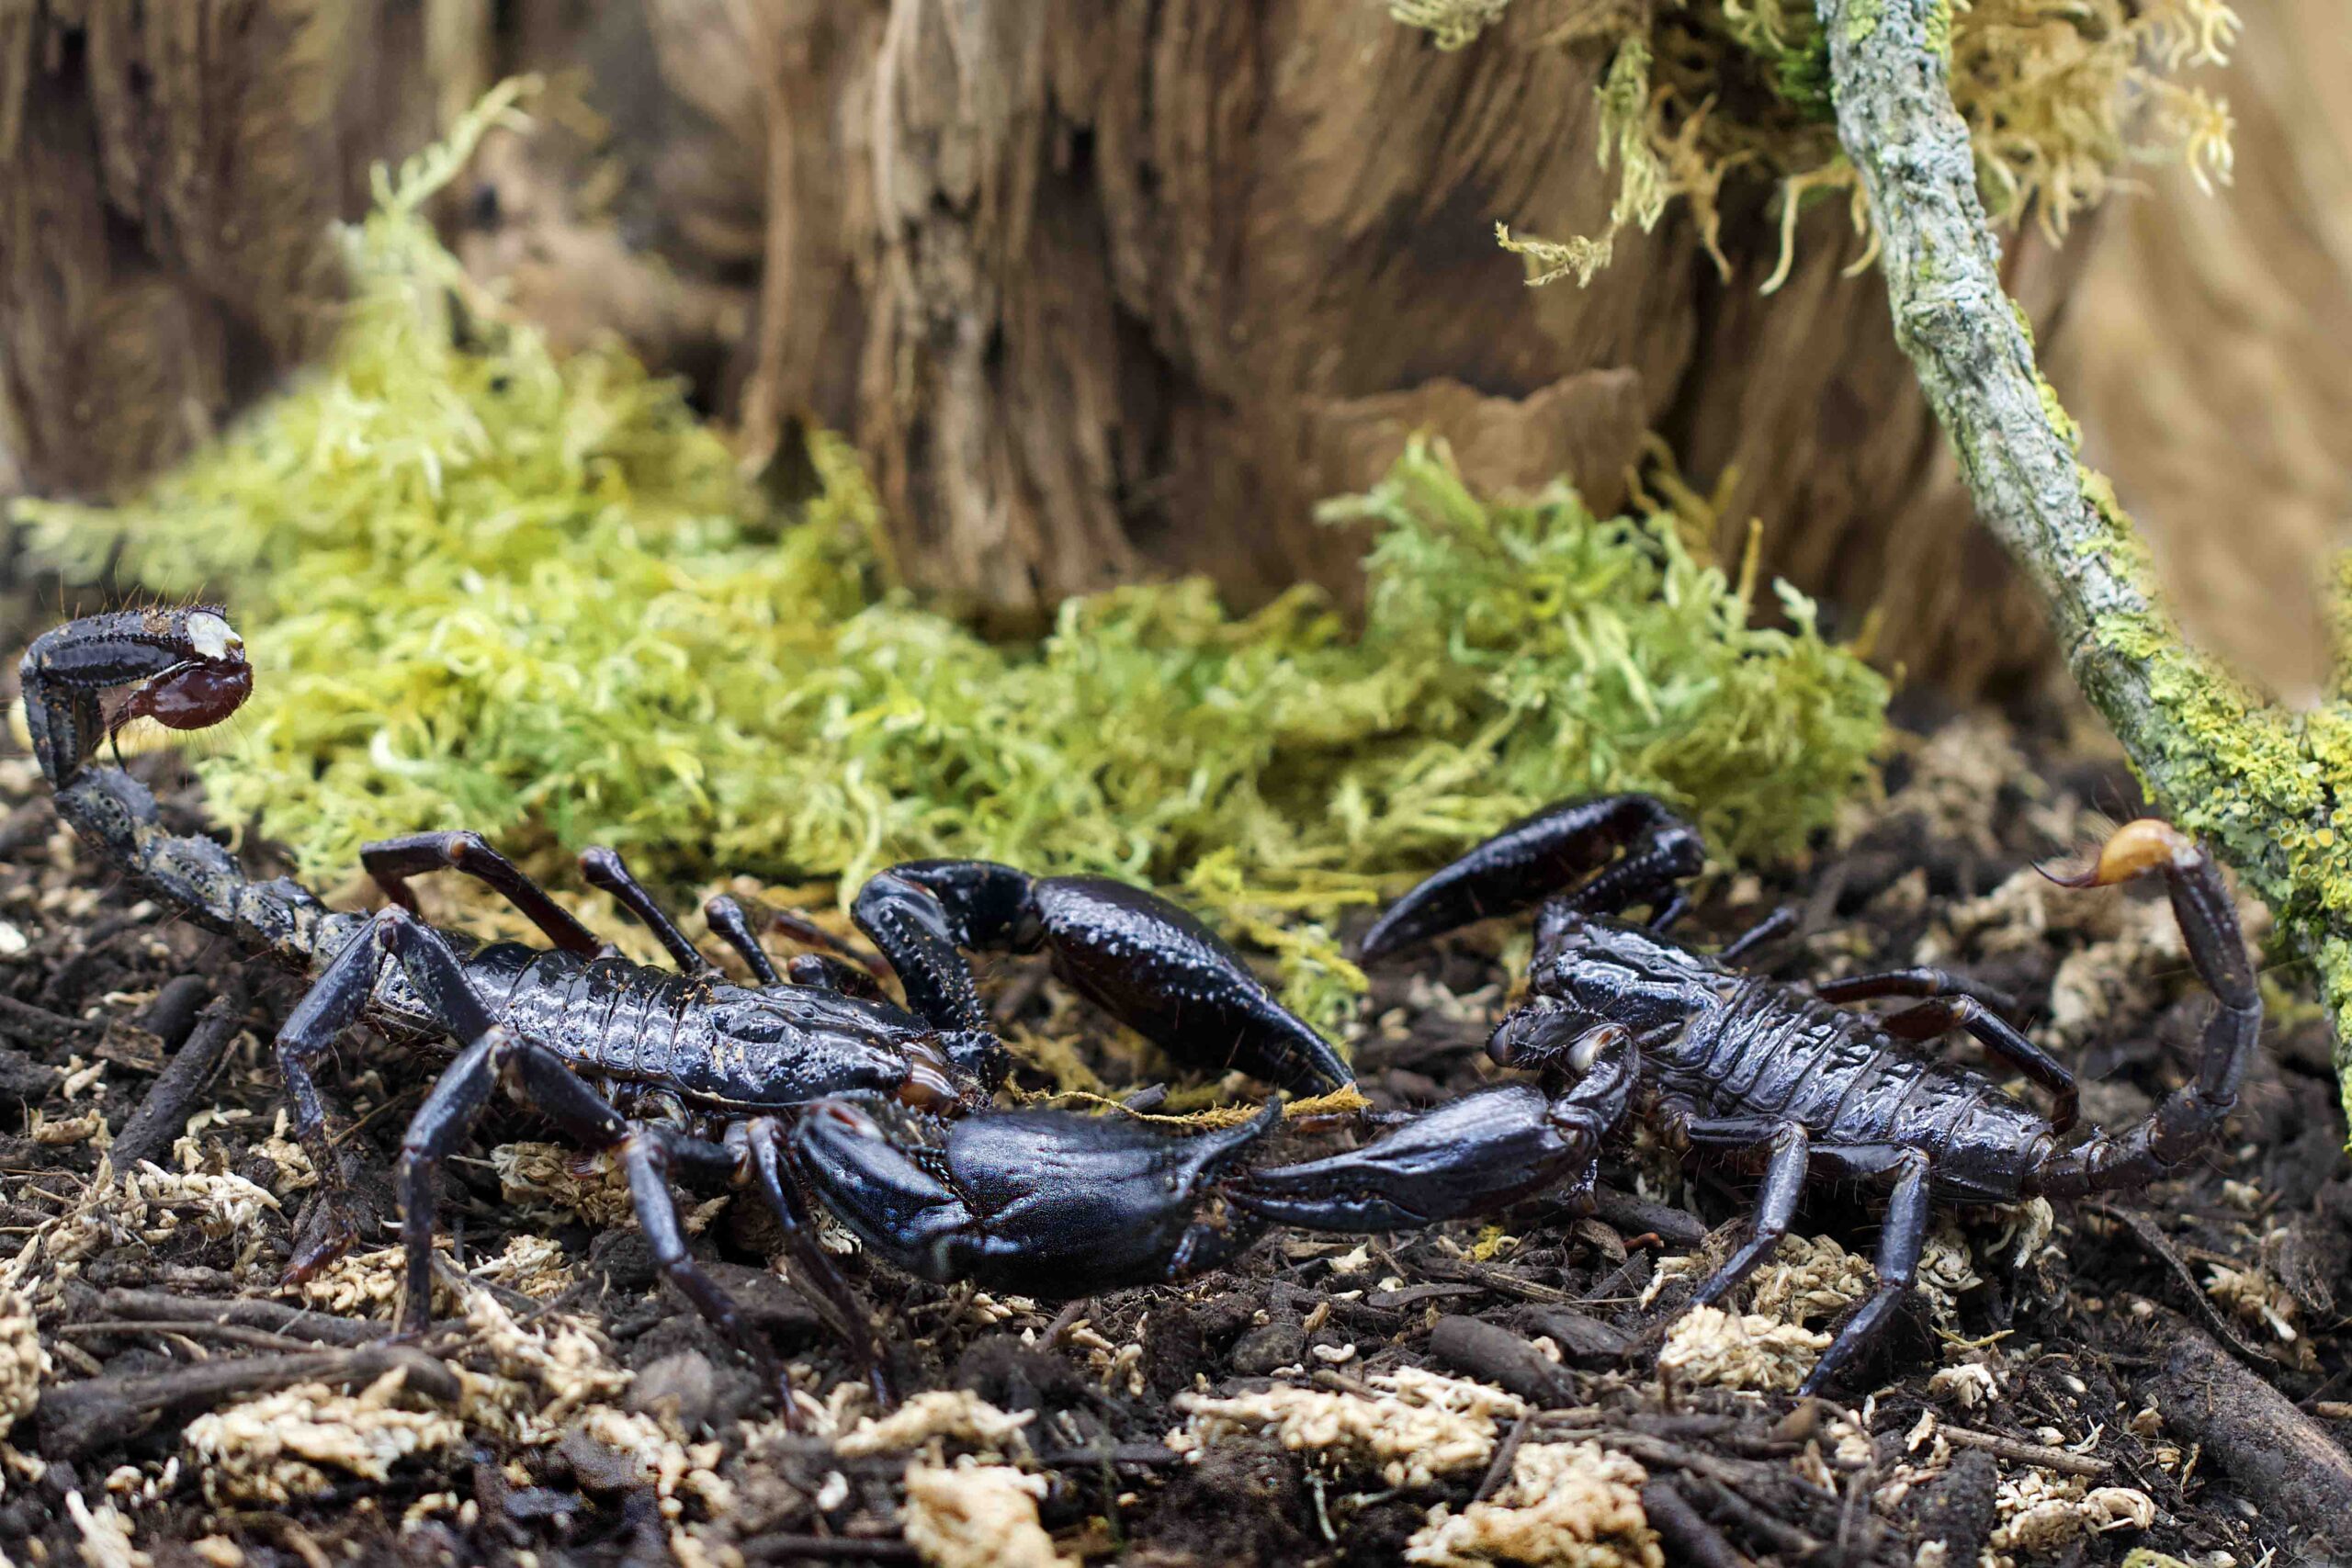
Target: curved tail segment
2191, 1116
185, 668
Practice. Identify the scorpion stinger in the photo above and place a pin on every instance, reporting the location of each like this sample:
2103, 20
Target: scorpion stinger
1138, 957
189, 671
1769, 1078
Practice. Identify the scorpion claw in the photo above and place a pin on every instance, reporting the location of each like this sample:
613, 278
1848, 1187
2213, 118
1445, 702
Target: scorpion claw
1042, 1202
1546, 854
1471, 1155
1140, 958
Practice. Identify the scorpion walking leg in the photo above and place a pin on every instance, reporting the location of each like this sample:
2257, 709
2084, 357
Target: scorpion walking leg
604, 868
1641, 851
1914, 981
821, 1282
2190, 1116
1899, 1248
540, 1078
725, 917
1954, 1001
391, 862
732, 919
1776, 1202
1772, 928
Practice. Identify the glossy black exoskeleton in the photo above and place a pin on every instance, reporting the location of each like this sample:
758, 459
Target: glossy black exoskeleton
665, 1071
1754, 1073
1038, 1203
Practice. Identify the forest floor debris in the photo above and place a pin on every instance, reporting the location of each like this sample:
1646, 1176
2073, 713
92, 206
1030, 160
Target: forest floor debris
1477, 1394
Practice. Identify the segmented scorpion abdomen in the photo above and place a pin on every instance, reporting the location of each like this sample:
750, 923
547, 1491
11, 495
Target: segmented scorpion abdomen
1768, 1052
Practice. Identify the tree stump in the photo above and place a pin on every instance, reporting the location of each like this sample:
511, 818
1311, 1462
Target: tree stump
1103, 288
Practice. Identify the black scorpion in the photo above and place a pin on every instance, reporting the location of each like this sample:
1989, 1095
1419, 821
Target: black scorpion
1750, 1072
883, 1113
799, 1080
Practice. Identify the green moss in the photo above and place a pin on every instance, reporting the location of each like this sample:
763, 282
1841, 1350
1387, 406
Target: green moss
485, 587
1451, 24
2062, 99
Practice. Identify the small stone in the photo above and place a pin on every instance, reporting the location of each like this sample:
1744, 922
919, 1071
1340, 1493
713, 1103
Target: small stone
684, 1381
1282, 1343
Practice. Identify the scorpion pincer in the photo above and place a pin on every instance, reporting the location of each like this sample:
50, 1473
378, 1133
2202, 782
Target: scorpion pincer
783, 1088
1623, 1022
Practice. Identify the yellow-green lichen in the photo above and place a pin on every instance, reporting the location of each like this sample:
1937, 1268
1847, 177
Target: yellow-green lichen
1939, 29
2270, 788
2062, 97
2063, 422
487, 587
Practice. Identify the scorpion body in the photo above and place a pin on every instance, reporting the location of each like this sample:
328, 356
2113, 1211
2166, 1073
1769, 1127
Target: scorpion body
681, 1071
822, 1087
1622, 1022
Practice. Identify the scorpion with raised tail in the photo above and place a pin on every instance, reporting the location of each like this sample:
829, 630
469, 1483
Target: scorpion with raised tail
816, 1084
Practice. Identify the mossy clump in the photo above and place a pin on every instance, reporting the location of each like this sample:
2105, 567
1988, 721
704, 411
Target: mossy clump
486, 587
2063, 98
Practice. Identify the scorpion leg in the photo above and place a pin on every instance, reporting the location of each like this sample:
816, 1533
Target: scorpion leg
604, 869
2188, 1118
1639, 850
852, 972
1141, 959
1788, 1149
724, 915
2001, 1039
1900, 1244
331, 1006
391, 862
812, 1268
1777, 924
1916, 982
538, 1077
1955, 1001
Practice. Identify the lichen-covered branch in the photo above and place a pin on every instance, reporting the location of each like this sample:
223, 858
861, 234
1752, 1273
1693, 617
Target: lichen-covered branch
2271, 787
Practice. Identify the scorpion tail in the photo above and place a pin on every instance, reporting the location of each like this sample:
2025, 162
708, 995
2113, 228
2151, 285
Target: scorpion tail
2190, 1116
185, 668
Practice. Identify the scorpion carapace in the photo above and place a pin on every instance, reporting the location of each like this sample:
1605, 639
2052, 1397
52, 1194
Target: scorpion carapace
824, 1085
683, 1072
1769, 1077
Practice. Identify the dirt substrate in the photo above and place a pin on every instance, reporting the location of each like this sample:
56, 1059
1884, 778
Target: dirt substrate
1472, 1394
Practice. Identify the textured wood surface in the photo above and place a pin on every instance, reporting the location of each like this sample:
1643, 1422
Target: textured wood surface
1107, 288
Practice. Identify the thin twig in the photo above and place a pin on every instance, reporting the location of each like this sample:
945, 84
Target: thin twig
227, 1333
2040, 1455
2143, 1230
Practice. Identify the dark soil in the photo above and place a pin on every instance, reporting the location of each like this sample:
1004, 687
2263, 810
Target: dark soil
2110, 1344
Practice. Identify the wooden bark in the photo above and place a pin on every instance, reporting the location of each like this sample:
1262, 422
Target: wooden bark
1104, 288
2204, 355
167, 176
1133, 286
